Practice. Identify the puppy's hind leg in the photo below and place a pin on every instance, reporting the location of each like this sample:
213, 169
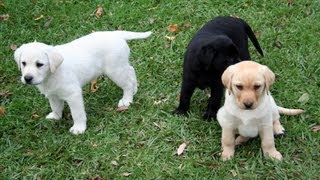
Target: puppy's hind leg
241, 139
187, 90
278, 129
125, 78
56, 105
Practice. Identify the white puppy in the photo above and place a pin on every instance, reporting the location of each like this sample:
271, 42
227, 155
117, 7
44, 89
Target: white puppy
249, 109
59, 72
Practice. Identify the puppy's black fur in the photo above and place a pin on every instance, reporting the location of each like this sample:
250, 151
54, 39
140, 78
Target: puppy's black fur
221, 42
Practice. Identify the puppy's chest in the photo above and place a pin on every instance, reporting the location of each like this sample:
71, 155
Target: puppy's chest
50, 90
47, 91
205, 79
248, 127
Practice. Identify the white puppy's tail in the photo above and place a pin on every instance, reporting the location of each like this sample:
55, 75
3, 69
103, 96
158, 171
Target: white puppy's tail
290, 112
127, 35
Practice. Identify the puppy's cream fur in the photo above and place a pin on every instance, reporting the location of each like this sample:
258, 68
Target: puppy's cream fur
59, 72
249, 109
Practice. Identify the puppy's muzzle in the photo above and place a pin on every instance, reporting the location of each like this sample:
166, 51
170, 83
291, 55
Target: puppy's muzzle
28, 79
248, 104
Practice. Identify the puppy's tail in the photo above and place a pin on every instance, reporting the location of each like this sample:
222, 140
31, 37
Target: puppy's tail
289, 112
252, 37
127, 35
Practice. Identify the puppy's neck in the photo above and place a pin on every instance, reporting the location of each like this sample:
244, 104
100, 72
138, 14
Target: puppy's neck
48, 85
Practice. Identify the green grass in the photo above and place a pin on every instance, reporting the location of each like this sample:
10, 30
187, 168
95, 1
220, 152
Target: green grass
35, 148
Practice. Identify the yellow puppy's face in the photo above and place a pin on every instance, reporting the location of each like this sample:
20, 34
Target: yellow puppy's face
248, 81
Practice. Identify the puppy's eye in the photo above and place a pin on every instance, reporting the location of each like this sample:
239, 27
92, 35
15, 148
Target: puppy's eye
256, 87
240, 87
24, 63
39, 64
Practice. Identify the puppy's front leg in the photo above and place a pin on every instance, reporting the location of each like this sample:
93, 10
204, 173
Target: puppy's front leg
78, 113
267, 143
187, 90
214, 101
56, 105
228, 143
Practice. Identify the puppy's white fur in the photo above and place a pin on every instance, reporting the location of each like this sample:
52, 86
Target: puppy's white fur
246, 82
59, 72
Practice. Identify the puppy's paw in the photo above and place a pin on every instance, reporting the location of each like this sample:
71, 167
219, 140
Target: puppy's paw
227, 155
124, 103
53, 115
276, 155
78, 129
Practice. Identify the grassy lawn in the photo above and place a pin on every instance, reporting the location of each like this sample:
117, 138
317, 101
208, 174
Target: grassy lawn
142, 142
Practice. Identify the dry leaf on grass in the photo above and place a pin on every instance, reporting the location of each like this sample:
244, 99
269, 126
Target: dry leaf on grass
153, 8
304, 98
48, 22
173, 27
99, 11
315, 128
181, 148
122, 108
170, 37
97, 177
156, 102
28, 153
39, 17
257, 34
77, 162
114, 162
290, 2
94, 87
234, 173
6, 94
35, 116
2, 110
186, 25
151, 20
2, 5
13, 47
167, 45
235, 16
277, 44
126, 174
4, 17
157, 125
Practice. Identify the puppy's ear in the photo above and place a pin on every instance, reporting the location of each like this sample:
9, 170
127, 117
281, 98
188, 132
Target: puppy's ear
227, 78
269, 77
17, 56
55, 59
206, 56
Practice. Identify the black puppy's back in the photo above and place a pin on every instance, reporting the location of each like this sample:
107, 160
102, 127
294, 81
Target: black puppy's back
229, 25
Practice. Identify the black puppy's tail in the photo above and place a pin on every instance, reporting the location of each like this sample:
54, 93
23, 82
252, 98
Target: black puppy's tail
252, 38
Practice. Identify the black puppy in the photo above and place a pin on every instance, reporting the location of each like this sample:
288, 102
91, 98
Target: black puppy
220, 43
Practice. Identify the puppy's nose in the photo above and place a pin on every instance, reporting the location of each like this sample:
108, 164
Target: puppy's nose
248, 104
28, 79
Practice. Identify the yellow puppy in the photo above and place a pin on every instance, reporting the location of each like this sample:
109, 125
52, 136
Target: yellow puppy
249, 108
